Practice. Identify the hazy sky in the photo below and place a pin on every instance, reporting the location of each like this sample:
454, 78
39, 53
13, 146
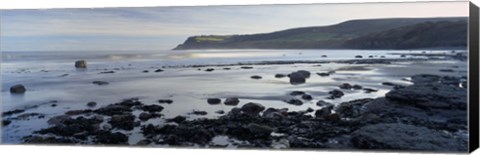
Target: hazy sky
160, 28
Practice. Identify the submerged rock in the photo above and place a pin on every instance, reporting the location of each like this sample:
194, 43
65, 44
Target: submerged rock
295, 93
17, 89
280, 75
345, 86
298, 77
178, 119
307, 97
159, 70
197, 112
323, 74
152, 108
100, 83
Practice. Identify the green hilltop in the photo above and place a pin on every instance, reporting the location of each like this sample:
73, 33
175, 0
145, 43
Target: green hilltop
393, 33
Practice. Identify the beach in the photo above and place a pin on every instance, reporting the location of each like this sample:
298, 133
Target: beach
191, 87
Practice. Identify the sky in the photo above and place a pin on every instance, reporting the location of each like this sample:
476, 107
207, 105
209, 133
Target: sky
163, 28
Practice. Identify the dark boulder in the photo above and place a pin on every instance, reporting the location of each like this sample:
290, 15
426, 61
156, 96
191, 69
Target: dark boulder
233, 101
322, 103
214, 101
81, 64
280, 75
252, 108
167, 101
351, 108
294, 102
17, 89
92, 104
259, 130
323, 74
405, 137
116, 138
198, 112
159, 70
124, 121
324, 112
297, 78
209, 69
152, 108
246, 67
335, 94
178, 119
358, 56
295, 93
345, 86
257, 77
307, 97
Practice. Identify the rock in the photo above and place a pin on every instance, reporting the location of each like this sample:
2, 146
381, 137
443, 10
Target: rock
124, 121
324, 56
297, 78
425, 78
333, 117
351, 108
100, 83
403, 56
307, 97
111, 138
78, 112
256, 77
275, 113
209, 69
321, 103
53, 105
197, 112
6, 122
431, 95
144, 116
113, 110
167, 101
396, 136
323, 74
335, 94
369, 90
17, 89
324, 112
178, 119
152, 108
370, 56
259, 130
345, 86
252, 108
57, 120
214, 101
280, 75
81, 64
92, 104
232, 101
357, 87
295, 93
309, 110
358, 56
294, 102
159, 70
220, 112
107, 72
226, 68
305, 73
246, 67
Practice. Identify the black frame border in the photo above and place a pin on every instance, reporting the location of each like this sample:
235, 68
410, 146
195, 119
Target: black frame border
473, 113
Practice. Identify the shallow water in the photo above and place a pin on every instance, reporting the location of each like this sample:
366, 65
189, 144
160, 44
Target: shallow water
44, 75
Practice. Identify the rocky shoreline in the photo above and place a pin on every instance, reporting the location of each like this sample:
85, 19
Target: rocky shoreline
429, 115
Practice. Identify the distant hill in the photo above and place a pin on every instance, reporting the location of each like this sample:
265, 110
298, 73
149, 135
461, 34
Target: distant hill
394, 33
